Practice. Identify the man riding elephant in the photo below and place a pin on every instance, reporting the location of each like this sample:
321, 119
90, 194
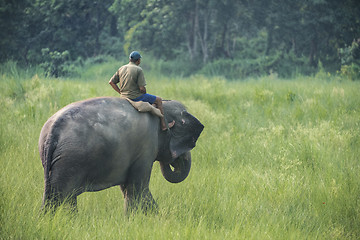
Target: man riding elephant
102, 142
131, 80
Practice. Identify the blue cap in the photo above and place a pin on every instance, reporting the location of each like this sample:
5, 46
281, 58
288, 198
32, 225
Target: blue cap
135, 55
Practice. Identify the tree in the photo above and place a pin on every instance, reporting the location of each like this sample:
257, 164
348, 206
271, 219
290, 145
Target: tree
12, 31
75, 25
27, 26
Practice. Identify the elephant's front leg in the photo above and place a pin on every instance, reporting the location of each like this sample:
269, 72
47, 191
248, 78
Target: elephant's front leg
136, 190
137, 197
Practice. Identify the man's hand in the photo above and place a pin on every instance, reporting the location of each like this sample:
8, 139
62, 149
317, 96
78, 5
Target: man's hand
142, 90
114, 86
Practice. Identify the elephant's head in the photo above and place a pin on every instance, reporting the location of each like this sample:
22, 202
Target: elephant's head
175, 145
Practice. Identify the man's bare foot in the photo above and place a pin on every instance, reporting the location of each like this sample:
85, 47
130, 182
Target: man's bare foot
170, 125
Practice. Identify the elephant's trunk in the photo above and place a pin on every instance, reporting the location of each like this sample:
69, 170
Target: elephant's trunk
181, 167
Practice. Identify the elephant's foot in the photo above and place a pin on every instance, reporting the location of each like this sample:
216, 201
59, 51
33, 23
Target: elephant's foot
135, 201
145, 206
53, 202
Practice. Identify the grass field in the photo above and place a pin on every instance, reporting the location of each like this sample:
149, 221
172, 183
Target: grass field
278, 159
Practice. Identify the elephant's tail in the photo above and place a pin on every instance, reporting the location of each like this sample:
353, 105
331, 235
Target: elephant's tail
47, 148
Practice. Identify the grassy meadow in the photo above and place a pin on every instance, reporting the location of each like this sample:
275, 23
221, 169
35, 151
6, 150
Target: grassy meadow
278, 159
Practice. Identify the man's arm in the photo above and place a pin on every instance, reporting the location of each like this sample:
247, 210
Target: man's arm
114, 86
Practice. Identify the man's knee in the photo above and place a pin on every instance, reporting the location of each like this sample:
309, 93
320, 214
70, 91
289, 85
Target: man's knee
158, 100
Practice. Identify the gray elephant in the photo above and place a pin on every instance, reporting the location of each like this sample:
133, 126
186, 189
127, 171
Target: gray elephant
102, 142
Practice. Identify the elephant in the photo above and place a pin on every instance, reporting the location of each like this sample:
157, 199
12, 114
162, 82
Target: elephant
98, 143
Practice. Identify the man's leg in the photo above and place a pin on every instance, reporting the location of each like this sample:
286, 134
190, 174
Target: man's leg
158, 103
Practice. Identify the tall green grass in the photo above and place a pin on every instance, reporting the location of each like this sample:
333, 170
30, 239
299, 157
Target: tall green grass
278, 159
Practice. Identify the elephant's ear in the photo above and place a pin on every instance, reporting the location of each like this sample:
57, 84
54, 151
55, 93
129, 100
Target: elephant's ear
185, 133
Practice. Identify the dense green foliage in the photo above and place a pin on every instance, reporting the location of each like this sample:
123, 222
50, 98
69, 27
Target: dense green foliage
54, 62
228, 37
350, 60
278, 159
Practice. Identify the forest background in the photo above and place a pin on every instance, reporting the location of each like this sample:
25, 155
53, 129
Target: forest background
234, 39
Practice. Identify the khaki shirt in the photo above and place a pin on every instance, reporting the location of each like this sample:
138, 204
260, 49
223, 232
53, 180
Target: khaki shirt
130, 78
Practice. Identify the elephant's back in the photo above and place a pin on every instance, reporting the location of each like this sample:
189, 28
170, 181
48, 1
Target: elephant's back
78, 121
91, 106
89, 109
93, 130
83, 118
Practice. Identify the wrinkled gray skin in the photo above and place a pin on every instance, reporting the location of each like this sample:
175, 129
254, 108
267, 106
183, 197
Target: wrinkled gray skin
102, 142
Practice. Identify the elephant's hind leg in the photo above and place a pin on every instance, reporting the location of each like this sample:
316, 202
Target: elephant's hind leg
53, 200
61, 189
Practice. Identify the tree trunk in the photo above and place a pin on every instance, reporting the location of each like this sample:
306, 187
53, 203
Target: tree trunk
313, 50
192, 36
203, 38
269, 39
